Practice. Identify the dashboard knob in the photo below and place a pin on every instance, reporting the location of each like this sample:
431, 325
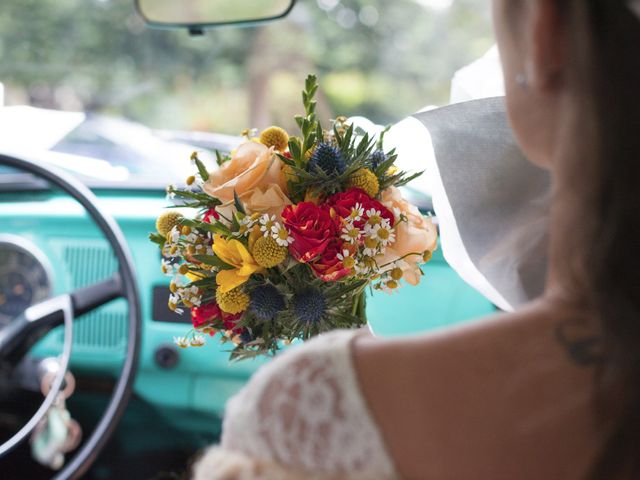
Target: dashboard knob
166, 356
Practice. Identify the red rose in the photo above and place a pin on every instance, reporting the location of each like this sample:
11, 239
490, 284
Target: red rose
311, 228
205, 314
328, 267
230, 321
344, 202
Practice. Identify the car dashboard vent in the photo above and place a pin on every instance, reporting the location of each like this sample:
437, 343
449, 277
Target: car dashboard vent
89, 262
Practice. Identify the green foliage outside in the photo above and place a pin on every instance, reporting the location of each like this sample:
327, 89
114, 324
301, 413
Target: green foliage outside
378, 58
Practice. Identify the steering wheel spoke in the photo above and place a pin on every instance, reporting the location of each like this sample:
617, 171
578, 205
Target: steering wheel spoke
17, 338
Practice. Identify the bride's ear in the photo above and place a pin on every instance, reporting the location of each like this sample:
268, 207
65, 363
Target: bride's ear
547, 45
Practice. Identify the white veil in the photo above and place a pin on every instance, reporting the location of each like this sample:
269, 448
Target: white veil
491, 204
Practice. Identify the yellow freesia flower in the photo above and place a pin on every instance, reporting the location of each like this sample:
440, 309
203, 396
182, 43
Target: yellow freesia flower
235, 254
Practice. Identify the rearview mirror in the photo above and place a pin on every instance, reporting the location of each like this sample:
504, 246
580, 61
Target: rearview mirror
196, 15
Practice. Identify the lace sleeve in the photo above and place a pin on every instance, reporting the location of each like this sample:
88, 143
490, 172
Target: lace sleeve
305, 411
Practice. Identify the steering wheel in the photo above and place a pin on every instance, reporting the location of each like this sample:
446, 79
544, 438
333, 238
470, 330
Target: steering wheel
17, 338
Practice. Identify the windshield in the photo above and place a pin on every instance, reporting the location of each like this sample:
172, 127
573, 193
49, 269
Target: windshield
374, 58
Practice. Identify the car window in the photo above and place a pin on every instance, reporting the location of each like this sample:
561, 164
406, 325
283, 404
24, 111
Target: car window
379, 59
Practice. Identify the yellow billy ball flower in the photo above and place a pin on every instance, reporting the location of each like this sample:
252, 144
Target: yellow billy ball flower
275, 137
397, 273
267, 253
190, 180
234, 301
366, 180
167, 221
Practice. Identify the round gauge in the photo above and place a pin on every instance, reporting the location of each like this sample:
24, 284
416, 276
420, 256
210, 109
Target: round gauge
24, 277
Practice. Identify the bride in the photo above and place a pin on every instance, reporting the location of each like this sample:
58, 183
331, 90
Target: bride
551, 391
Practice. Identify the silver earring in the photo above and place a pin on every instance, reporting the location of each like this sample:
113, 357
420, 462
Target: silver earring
521, 80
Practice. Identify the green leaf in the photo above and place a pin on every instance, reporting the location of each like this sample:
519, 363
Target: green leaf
295, 148
204, 174
158, 239
200, 197
219, 158
213, 260
215, 227
238, 203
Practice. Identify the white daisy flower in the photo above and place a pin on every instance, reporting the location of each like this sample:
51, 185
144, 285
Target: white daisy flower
281, 235
370, 252
182, 342
371, 246
383, 233
356, 213
192, 238
174, 298
350, 233
198, 341
170, 250
389, 286
374, 216
196, 185
169, 268
266, 223
174, 235
362, 268
347, 259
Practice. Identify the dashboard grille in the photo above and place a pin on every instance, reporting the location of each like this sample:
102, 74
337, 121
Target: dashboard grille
89, 261
89, 264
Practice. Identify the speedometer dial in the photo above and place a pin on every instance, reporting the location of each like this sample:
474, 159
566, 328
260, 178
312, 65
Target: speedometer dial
24, 277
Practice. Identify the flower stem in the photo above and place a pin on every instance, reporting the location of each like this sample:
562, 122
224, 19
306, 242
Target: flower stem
362, 307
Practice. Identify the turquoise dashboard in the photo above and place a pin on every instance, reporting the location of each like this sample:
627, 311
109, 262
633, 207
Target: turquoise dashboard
194, 382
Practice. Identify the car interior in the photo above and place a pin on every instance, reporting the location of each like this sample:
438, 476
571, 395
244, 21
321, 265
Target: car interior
102, 103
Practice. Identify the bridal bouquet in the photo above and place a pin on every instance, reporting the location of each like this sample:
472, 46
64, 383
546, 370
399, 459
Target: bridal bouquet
288, 233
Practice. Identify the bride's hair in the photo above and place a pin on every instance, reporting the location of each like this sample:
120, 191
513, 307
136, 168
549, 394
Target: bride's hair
599, 184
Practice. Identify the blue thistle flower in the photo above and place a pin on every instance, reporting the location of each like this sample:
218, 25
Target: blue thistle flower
377, 158
266, 301
328, 158
309, 305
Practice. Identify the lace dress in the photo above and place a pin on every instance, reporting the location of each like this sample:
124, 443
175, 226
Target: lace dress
300, 416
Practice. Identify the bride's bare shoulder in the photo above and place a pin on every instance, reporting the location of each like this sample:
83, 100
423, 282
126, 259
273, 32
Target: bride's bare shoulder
493, 391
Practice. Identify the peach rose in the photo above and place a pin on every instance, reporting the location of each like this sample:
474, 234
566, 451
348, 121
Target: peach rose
270, 199
252, 166
415, 235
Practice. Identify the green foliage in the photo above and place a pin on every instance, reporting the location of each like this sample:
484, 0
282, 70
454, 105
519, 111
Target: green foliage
202, 170
157, 239
98, 56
